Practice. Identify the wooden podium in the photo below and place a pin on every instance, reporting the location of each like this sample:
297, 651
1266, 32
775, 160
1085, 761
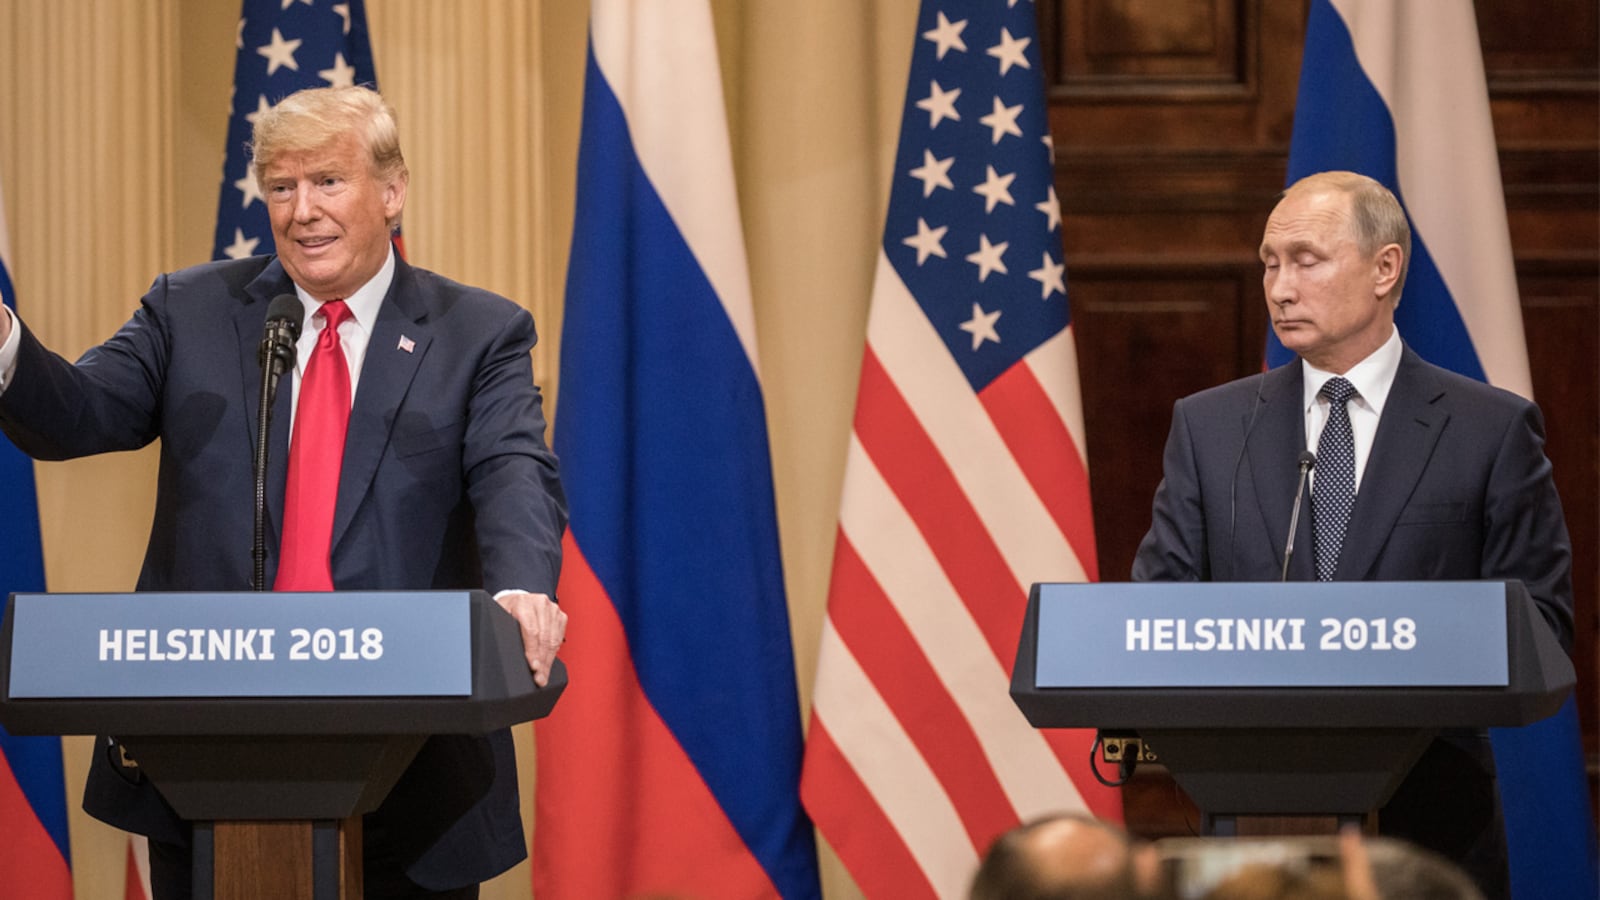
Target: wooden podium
1255, 744
276, 785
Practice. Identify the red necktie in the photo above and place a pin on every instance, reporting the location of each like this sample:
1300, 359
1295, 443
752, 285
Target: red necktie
315, 454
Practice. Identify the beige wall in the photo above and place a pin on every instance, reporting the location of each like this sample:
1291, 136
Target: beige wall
112, 116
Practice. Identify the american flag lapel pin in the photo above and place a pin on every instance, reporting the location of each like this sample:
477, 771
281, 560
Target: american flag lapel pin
407, 344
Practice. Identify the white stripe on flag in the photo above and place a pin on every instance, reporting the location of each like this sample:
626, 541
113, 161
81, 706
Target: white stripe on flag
1055, 366
1424, 60
883, 756
660, 59
943, 402
893, 550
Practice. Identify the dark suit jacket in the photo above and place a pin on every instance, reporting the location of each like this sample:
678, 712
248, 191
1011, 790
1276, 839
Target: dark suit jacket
446, 483
1457, 487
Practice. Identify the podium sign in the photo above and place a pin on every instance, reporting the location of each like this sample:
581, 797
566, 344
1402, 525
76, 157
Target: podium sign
348, 644
1327, 634
273, 746
1287, 725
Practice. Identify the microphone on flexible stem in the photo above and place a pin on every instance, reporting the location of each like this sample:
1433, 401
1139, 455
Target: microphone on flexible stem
1307, 460
285, 315
1233, 480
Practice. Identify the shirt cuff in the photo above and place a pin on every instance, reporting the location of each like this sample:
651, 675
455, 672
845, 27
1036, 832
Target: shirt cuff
499, 594
8, 350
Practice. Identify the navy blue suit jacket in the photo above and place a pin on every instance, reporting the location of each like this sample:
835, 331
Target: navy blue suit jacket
1457, 487
446, 483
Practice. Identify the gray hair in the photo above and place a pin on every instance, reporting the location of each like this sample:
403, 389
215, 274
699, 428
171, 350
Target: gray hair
1376, 216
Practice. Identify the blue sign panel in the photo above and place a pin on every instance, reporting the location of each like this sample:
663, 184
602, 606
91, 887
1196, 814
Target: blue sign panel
1335, 634
346, 644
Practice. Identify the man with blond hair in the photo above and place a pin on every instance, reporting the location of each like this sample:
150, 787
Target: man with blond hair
444, 482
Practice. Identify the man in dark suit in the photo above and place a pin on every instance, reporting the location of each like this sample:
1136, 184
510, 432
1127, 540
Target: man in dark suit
444, 480
1442, 478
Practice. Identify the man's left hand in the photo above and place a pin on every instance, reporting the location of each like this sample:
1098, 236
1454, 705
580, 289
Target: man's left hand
544, 627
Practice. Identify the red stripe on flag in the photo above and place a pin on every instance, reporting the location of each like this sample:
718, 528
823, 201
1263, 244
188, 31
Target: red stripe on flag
916, 471
30, 864
867, 842
899, 669
1032, 428
132, 877
621, 810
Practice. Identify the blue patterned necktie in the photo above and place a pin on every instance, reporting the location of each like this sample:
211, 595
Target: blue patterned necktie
1335, 492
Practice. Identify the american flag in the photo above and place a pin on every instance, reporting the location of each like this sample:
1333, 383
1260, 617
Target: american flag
965, 481
283, 46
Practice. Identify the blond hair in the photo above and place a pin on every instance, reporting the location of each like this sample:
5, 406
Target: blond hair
317, 117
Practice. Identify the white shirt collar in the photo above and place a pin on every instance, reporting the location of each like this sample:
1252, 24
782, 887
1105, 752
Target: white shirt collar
364, 303
1372, 377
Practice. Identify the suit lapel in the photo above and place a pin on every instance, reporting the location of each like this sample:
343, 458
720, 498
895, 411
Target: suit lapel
386, 376
249, 321
1274, 469
1407, 434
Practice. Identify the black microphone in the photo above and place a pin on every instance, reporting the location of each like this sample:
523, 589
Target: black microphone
1233, 480
285, 315
1307, 460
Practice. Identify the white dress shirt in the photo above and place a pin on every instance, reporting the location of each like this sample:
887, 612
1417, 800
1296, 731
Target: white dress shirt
354, 333
8, 350
1372, 378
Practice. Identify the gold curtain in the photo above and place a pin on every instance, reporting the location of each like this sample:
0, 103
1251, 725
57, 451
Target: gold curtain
110, 159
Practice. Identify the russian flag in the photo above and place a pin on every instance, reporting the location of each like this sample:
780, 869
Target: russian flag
673, 763
34, 858
1396, 91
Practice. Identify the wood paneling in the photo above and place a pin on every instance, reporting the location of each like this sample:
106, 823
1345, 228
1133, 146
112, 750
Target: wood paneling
1172, 123
1115, 40
1562, 319
1135, 327
1557, 42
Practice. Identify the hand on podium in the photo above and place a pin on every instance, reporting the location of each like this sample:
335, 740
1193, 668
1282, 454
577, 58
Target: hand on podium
544, 628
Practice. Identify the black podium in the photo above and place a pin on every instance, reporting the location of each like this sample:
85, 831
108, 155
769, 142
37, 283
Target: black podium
1269, 749
277, 784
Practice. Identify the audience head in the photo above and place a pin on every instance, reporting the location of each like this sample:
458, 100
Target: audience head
1266, 881
1404, 870
1353, 867
1064, 857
